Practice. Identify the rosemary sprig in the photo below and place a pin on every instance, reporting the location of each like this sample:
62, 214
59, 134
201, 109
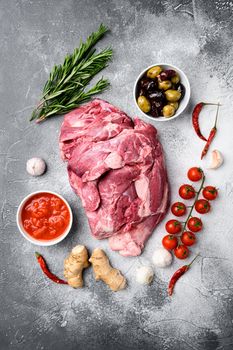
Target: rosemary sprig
83, 96
66, 86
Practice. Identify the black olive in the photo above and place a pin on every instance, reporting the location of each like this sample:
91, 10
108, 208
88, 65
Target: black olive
167, 74
156, 109
170, 73
163, 76
180, 87
159, 106
148, 85
154, 112
144, 82
152, 86
157, 96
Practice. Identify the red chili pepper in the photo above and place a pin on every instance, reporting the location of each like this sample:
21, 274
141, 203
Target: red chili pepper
180, 272
195, 118
211, 136
46, 271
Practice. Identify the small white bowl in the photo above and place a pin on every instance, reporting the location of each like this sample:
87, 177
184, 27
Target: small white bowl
184, 102
45, 243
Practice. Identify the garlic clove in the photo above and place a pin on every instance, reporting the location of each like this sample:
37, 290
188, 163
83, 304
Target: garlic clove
36, 166
217, 159
162, 258
144, 275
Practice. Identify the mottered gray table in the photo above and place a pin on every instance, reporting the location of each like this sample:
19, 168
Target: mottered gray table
37, 314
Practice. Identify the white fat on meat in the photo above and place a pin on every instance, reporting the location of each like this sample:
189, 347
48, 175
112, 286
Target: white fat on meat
114, 161
142, 189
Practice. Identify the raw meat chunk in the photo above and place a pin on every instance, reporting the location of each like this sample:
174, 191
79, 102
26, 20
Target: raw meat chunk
117, 168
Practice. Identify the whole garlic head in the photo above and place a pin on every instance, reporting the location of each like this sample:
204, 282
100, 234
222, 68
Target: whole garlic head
36, 166
144, 275
162, 257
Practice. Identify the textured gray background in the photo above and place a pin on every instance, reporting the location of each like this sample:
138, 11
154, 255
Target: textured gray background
37, 314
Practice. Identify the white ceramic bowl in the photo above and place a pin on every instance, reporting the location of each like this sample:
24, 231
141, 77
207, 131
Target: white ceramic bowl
37, 241
184, 102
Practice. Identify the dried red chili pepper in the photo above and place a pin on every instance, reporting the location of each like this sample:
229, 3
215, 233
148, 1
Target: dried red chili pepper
180, 272
211, 136
46, 270
195, 118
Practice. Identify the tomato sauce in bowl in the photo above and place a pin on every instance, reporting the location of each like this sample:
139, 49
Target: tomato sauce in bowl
44, 216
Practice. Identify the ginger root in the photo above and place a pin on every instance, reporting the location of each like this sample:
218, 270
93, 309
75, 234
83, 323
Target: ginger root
74, 265
105, 272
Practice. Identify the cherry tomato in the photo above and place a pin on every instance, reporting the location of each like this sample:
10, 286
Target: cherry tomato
195, 174
195, 224
178, 209
188, 238
186, 191
173, 226
181, 252
210, 193
202, 206
170, 242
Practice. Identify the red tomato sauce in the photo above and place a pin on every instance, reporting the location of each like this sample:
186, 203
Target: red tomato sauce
45, 216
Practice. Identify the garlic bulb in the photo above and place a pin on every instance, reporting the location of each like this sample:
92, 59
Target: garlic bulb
36, 166
217, 159
162, 258
144, 275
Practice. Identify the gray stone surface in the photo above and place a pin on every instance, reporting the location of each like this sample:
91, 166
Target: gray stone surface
37, 314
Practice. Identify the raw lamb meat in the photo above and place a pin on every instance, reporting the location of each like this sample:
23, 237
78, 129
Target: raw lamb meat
116, 167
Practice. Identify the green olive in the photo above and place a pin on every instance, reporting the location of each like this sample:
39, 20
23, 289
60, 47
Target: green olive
175, 79
172, 95
154, 72
144, 104
168, 111
164, 85
174, 104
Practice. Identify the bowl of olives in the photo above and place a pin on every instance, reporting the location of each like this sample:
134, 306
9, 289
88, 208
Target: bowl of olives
162, 92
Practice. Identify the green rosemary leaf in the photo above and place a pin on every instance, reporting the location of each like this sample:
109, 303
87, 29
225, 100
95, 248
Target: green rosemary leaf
65, 88
100, 86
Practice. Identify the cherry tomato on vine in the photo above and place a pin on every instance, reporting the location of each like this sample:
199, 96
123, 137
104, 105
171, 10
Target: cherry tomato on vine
187, 191
202, 206
181, 252
210, 193
170, 242
178, 209
173, 227
195, 174
195, 224
188, 238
